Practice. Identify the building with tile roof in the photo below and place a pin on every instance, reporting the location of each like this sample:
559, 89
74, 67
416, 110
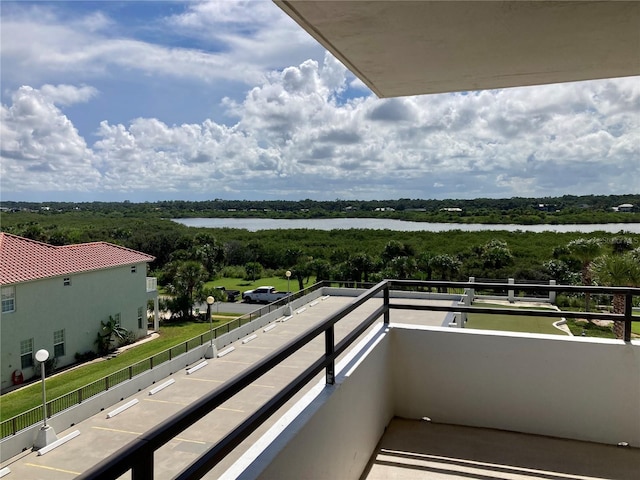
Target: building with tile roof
55, 297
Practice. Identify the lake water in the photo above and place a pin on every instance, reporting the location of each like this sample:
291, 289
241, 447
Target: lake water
255, 224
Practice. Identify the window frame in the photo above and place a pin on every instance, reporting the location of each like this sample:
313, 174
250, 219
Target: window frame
8, 298
57, 343
66, 281
140, 317
26, 349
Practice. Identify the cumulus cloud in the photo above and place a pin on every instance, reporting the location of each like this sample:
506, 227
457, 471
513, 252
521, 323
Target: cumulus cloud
293, 129
41, 149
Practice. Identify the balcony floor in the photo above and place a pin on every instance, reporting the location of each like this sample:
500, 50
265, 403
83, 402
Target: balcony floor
413, 449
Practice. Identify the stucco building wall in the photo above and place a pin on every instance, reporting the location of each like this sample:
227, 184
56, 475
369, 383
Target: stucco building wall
45, 306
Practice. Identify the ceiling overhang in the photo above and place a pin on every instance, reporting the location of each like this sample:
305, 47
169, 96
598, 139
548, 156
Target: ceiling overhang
400, 48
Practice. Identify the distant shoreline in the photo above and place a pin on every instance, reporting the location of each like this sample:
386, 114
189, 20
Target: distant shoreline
365, 223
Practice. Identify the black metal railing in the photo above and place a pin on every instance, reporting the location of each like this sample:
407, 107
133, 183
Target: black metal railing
33, 416
138, 455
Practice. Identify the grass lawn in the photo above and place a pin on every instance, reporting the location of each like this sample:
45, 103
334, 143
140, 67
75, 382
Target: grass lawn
243, 285
511, 323
590, 329
18, 401
593, 330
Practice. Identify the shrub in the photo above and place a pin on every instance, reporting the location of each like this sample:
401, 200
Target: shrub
86, 356
234, 271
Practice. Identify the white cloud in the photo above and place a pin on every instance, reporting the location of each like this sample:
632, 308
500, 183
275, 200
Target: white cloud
41, 149
294, 128
242, 41
66, 95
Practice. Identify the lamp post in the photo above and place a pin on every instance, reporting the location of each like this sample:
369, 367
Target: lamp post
288, 310
211, 351
46, 434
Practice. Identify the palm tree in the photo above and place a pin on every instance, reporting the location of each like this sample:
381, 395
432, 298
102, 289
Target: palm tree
188, 281
109, 330
585, 250
617, 271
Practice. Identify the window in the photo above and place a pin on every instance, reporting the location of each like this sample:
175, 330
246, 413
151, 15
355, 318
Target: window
26, 353
58, 343
67, 281
133, 268
8, 299
139, 317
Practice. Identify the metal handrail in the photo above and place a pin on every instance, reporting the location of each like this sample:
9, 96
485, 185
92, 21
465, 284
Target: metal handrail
138, 455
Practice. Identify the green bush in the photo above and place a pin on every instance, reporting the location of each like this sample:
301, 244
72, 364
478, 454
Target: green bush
233, 271
570, 302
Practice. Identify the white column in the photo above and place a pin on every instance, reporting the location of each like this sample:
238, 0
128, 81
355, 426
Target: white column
511, 292
156, 314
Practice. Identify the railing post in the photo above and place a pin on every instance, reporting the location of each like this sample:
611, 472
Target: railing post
472, 290
386, 304
130, 372
106, 383
512, 299
329, 348
628, 314
142, 469
552, 293
80, 395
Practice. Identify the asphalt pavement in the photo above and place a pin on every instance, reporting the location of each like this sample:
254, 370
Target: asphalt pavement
229, 307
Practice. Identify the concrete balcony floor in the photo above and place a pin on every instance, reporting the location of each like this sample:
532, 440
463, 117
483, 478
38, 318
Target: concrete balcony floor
414, 450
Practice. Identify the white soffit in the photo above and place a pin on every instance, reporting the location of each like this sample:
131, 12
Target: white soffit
400, 48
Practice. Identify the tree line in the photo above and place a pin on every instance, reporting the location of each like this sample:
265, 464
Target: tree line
185, 258
567, 209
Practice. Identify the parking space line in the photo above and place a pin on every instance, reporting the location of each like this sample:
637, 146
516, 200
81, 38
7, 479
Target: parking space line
52, 468
261, 385
164, 401
117, 430
140, 433
204, 380
230, 409
190, 441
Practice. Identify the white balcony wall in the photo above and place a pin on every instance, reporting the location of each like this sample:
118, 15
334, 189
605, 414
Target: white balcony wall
583, 389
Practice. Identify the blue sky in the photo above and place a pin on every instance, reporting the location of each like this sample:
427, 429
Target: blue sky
149, 101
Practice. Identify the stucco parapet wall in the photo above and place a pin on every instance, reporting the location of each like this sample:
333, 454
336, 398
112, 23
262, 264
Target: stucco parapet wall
530, 383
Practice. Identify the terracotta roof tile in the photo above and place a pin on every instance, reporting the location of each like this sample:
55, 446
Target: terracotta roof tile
22, 260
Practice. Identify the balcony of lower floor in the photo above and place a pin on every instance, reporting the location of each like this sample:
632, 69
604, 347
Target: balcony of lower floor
152, 285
